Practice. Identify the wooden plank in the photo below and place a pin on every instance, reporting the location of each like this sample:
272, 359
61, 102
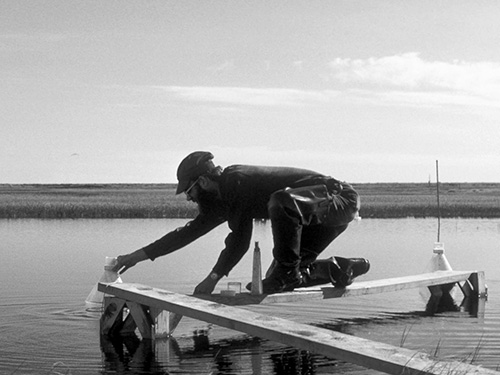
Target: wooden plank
356, 289
142, 319
378, 356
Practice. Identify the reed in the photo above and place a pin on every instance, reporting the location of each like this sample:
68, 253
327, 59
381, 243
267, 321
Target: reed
382, 200
404, 336
472, 358
94, 201
467, 200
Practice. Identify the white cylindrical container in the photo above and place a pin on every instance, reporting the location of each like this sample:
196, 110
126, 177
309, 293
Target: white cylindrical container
438, 262
95, 298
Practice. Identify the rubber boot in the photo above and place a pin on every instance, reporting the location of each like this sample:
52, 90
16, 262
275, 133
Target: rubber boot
281, 279
340, 272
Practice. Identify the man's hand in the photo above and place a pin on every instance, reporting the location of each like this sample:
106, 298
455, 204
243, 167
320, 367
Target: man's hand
207, 286
124, 262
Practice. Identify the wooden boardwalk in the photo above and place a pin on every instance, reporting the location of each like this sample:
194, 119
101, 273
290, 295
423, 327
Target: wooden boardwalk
474, 281
145, 303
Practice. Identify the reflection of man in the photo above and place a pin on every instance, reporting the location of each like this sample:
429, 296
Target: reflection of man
307, 211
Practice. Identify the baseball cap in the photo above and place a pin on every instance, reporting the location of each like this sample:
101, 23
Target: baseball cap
193, 166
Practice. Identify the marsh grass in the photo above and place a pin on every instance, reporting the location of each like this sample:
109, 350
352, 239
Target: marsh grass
404, 335
382, 200
475, 354
441, 366
92, 201
471, 200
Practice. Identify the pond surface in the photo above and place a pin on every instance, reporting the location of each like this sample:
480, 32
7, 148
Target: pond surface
48, 268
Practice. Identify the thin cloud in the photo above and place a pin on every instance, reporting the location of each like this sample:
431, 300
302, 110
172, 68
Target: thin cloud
402, 80
250, 96
408, 75
227, 65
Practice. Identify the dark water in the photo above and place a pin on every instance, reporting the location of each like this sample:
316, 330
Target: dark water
48, 268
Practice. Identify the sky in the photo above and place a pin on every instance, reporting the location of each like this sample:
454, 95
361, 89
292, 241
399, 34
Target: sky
364, 91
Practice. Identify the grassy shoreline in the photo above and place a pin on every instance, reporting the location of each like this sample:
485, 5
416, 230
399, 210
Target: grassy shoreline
378, 200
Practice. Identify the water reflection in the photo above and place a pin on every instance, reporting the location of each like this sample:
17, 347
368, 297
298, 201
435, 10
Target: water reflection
129, 355
244, 355
293, 361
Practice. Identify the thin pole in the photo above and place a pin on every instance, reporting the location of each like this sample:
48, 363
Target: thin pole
438, 207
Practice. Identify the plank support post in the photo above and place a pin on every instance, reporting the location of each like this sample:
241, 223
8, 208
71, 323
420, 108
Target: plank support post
475, 294
112, 316
440, 299
121, 317
478, 283
165, 322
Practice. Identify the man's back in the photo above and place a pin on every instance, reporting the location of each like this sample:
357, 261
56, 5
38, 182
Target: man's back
248, 188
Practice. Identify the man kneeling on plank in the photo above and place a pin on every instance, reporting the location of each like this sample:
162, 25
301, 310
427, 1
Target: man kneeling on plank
308, 210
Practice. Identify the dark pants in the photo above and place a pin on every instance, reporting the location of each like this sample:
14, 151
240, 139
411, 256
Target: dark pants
306, 220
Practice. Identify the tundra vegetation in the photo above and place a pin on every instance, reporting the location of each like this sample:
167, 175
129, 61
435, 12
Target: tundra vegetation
378, 200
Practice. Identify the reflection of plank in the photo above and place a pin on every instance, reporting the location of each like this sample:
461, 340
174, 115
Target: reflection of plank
378, 356
356, 289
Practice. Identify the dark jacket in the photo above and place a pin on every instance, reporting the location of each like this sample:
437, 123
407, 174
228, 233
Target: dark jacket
245, 192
